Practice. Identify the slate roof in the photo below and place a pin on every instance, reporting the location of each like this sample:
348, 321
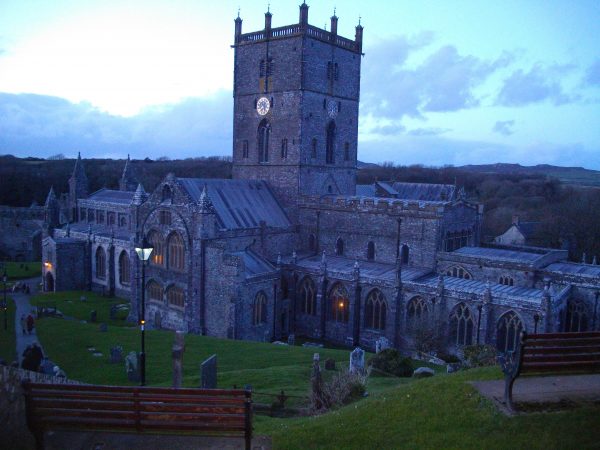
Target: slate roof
528, 229
499, 254
478, 287
575, 269
365, 190
112, 196
254, 264
239, 203
425, 191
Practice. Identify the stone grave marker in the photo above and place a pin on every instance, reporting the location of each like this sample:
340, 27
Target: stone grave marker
132, 366
116, 354
208, 373
47, 367
381, 344
330, 364
177, 354
103, 328
357, 360
93, 316
291, 339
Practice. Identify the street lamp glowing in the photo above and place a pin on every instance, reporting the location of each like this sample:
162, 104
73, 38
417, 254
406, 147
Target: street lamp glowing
144, 251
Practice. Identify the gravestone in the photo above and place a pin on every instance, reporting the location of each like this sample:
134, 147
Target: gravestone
93, 316
357, 360
113, 312
291, 339
316, 384
208, 373
423, 372
103, 327
177, 355
381, 344
47, 367
116, 354
132, 366
330, 364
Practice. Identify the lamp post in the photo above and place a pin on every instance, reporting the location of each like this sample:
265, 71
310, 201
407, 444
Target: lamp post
143, 252
4, 304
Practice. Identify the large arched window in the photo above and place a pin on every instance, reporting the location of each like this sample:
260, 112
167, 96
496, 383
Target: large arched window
508, 332
124, 269
155, 291
459, 272
158, 254
339, 247
404, 254
167, 193
340, 306
312, 243
330, 143
461, 325
175, 296
375, 310
308, 299
371, 251
263, 135
176, 259
577, 316
417, 313
100, 263
259, 310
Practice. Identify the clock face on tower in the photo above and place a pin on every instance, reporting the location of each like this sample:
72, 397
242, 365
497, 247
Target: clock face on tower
263, 105
332, 109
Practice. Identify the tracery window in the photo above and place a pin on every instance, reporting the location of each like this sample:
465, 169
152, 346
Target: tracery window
371, 251
157, 257
506, 280
417, 313
457, 239
312, 243
330, 143
164, 217
375, 310
155, 291
577, 316
259, 313
308, 299
110, 218
461, 325
284, 148
175, 296
508, 332
100, 263
458, 272
176, 258
404, 254
339, 247
340, 307
124, 268
263, 135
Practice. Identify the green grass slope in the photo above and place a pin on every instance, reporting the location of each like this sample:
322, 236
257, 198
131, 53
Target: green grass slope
7, 337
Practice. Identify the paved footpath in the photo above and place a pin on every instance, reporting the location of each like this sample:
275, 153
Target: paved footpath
24, 308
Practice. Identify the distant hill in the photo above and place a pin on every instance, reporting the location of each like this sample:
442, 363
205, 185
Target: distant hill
568, 175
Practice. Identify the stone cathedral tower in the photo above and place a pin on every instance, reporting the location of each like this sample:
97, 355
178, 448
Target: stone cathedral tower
296, 93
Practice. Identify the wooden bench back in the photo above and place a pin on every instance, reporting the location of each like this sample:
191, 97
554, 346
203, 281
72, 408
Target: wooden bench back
140, 409
561, 352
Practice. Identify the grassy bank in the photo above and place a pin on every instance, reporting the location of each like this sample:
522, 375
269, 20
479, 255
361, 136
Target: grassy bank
22, 270
7, 337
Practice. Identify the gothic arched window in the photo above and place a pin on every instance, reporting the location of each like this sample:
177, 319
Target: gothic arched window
284, 148
375, 310
508, 332
312, 243
577, 316
506, 280
176, 258
371, 251
263, 135
339, 247
347, 151
167, 194
259, 312
313, 148
124, 269
461, 325
155, 291
157, 257
175, 296
458, 272
308, 299
404, 254
100, 263
330, 143
340, 306
417, 312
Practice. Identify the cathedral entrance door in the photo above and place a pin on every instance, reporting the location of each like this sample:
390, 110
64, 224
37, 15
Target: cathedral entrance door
285, 323
49, 282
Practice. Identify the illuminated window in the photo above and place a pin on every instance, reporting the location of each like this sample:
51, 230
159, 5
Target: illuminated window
176, 252
340, 307
157, 257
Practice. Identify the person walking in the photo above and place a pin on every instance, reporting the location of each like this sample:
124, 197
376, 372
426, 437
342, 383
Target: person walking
30, 324
23, 323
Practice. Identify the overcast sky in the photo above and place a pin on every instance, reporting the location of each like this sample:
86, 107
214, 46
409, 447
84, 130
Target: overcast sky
443, 82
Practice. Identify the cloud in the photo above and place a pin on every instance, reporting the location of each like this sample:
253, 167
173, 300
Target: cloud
429, 131
592, 76
538, 85
504, 127
444, 81
43, 125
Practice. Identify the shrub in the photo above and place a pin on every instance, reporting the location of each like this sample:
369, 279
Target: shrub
390, 361
480, 355
343, 388
449, 358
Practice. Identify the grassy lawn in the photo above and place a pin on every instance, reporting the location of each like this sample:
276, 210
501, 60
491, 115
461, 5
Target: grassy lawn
7, 338
22, 270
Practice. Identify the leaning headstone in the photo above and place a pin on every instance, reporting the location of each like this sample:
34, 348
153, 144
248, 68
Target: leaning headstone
116, 354
330, 364
423, 372
357, 360
132, 366
93, 316
103, 328
381, 344
47, 367
208, 373
177, 354
291, 339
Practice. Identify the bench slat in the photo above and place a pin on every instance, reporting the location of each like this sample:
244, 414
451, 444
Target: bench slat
561, 349
562, 342
573, 334
561, 366
570, 358
130, 390
201, 400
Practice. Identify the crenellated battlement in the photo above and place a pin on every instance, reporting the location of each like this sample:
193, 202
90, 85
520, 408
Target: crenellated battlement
371, 204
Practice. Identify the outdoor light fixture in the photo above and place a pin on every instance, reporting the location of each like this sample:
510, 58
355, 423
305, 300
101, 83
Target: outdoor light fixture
143, 252
48, 265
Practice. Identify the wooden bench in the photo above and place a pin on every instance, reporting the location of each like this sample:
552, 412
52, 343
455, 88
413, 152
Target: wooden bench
210, 412
550, 354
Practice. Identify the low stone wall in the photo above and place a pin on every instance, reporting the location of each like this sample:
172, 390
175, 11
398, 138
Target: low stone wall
12, 405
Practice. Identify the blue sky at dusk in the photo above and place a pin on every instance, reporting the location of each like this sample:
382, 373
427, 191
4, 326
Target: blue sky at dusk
443, 82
